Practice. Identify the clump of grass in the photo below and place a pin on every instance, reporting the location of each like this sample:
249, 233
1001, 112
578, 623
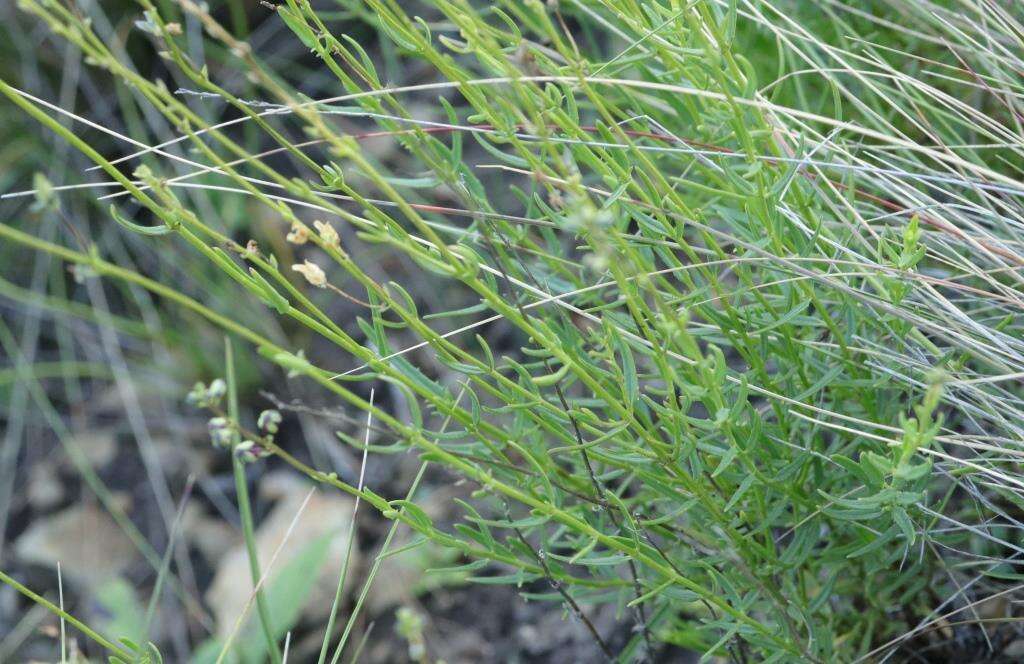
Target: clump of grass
762, 274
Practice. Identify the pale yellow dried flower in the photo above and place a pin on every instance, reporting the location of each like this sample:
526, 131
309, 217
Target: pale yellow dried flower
328, 234
312, 272
298, 234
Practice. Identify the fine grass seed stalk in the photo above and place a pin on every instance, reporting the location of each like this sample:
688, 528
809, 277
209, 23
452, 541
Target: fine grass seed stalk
734, 352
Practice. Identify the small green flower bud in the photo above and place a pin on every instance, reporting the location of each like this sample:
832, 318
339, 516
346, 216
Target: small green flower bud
197, 395
268, 421
218, 388
220, 431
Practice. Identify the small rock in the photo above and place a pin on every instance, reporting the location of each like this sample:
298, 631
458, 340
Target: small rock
98, 446
326, 514
84, 539
211, 535
1014, 652
45, 489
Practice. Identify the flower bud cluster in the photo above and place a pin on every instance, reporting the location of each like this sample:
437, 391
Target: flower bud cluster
205, 396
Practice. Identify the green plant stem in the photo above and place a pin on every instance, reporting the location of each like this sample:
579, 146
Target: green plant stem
245, 510
73, 621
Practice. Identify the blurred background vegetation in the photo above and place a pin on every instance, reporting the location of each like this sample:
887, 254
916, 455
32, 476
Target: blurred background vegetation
98, 448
